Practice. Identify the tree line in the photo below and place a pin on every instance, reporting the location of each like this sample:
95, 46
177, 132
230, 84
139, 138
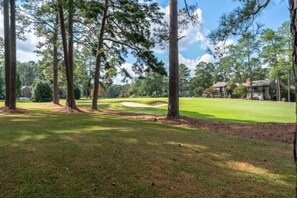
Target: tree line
268, 53
104, 33
100, 34
110, 30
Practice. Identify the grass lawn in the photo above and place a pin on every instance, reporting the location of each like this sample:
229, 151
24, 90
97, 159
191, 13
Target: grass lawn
54, 154
234, 110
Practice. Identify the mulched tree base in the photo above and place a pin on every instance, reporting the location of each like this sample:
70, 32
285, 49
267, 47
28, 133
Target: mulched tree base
13, 111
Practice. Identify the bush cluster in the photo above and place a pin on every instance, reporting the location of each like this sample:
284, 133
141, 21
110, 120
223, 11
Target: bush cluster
42, 91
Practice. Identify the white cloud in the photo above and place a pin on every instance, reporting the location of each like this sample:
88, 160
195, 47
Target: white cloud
191, 35
221, 47
25, 49
26, 56
191, 63
118, 79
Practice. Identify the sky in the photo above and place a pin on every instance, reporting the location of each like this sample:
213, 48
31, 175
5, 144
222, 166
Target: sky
192, 48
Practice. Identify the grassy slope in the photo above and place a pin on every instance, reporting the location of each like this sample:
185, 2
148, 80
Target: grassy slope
217, 109
49, 154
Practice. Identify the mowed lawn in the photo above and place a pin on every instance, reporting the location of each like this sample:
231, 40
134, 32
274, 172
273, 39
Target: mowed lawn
234, 110
54, 154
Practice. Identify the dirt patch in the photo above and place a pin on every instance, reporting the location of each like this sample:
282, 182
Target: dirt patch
65, 109
135, 104
59, 108
4, 110
276, 132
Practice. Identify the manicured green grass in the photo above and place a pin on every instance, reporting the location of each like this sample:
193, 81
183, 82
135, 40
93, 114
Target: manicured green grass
50, 154
230, 110
234, 110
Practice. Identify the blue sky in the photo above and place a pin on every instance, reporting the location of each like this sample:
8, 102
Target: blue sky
211, 10
192, 47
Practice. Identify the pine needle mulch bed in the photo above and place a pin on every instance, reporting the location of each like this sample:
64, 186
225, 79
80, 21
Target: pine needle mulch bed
271, 131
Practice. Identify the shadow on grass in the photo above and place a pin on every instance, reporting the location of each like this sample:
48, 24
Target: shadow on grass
163, 111
73, 154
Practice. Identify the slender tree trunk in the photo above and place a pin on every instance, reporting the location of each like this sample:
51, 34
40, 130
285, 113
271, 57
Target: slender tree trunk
289, 85
289, 73
293, 15
173, 100
250, 68
278, 88
70, 92
56, 62
7, 51
12, 102
251, 86
70, 37
99, 56
70, 53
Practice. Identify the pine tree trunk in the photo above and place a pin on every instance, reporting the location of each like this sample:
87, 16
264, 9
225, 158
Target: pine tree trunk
70, 53
173, 100
293, 15
7, 51
278, 88
289, 86
66, 60
251, 74
12, 102
98, 57
56, 62
251, 86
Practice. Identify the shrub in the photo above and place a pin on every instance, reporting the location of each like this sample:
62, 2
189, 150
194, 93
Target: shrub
240, 91
198, 91
77, 92
42, 92
210, 91
230, 88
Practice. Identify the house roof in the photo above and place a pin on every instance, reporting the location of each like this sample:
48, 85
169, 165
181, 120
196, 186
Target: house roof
260, 83
219, 84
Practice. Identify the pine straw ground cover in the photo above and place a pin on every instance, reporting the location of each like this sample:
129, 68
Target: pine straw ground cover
45, 153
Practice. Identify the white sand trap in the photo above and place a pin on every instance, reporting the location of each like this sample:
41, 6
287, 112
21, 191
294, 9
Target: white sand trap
135, 104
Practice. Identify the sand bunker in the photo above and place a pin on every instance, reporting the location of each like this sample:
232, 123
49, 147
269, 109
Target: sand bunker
135, 104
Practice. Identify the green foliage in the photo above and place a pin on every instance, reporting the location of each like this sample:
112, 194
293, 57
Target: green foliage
210, 91
28, 72
152, 84
77, 92
240, 20
198, 91
2, 81
18, 84
184, 76
230, 88
129, 32
117, 91
240, 91
204, 75
42, 91
1, 49
272, 48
